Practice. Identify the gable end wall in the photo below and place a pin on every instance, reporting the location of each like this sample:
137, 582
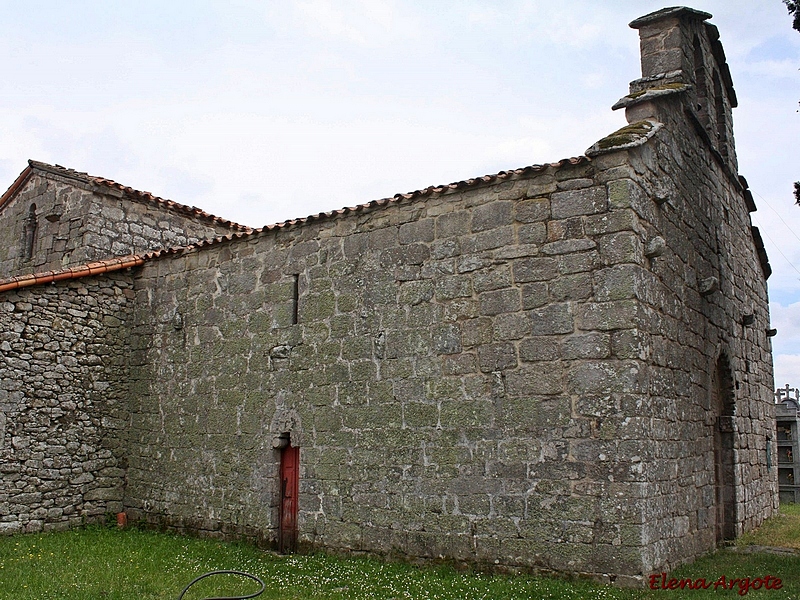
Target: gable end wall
77, 224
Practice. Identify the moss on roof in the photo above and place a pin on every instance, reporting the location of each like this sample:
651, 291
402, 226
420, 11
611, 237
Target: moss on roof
626, 135
666, 86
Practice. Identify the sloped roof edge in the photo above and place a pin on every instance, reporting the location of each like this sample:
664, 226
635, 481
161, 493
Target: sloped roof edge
115, 189
21, 179
92, 268
367, 206
115, 264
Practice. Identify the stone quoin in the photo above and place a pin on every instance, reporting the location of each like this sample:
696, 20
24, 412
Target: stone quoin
561, 367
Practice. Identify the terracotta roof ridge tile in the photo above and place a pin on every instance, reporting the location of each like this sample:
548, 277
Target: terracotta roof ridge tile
135, 194
428, 191
97, 267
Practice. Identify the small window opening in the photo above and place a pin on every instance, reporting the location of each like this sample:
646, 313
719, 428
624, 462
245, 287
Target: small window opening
295, 298
722, 121
769, 453
700, 81
29, 234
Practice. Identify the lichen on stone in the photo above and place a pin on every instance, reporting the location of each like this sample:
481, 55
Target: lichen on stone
626, 135
658, 88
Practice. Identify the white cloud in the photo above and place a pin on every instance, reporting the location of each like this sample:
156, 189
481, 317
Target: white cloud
314, 104
787, 370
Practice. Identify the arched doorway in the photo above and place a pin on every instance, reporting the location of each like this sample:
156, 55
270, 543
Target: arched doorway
723, 405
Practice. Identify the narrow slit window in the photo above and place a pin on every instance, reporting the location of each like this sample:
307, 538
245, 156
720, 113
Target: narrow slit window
722, 121
700, 82
295, 298
29, 234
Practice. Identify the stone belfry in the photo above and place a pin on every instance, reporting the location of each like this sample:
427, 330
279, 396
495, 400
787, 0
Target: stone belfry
681, 55
563, 366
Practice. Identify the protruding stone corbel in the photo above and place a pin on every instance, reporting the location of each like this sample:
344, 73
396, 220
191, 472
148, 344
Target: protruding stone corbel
772, 332
655, 247
280, 352
661, 198
379, 345
278, 357
280, 441
709, 285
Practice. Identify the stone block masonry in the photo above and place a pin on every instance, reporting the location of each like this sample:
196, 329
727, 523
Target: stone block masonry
561, 367
59, 218
449, 384
63, 403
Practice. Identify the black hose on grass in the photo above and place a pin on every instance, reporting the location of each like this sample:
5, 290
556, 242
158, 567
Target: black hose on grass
240, 573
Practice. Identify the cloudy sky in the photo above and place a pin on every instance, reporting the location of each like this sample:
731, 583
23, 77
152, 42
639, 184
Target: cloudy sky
259, 111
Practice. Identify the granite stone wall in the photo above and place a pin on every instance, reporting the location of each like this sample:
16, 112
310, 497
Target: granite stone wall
463, 378
704, 295
63, 400
561, 367
78, 222
555, 368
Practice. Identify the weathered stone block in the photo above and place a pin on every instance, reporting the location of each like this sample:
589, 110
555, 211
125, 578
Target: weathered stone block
511, 326
553, 319
617, 314
410, 254
459, 364
535, 379
631, 343
539, 348
492, 279
497, 357
492, 216
535, 269
534, 295
568, 246
622, 247
415, 292
571, 287
616, 220
476, 331
566, 229
500, 301
572, 203
591, 345
535, 209
416, 231
447, 288
453, 224
447, 338
618, 282
607, 376
578, 263
488, 240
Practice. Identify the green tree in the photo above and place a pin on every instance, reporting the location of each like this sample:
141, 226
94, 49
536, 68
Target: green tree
794, 10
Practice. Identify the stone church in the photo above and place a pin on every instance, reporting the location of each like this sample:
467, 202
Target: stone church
563, 367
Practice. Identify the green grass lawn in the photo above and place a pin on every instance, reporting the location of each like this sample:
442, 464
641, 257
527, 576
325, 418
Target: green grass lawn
782, 530
106, 563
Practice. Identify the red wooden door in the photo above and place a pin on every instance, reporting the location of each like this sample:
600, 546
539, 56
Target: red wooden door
290, 483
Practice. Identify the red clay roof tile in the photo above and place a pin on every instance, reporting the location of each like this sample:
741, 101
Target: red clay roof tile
126, 191
135, 260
